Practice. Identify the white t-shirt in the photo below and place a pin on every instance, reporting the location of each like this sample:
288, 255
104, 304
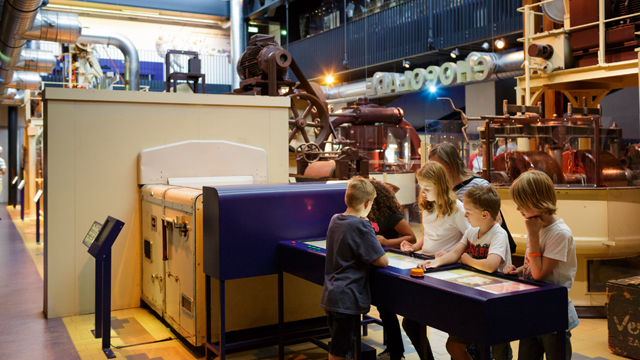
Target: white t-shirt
494, 241
477, 164
444, 233
556, 242
3, 165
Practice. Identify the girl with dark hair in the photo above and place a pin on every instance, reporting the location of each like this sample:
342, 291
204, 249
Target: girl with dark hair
387, 219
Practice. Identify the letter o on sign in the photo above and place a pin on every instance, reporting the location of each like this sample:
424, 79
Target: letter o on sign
448, 73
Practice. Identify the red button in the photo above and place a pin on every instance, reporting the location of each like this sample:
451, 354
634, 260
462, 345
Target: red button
293, 242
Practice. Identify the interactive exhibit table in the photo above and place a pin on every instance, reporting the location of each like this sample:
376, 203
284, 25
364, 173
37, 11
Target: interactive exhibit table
487, 309
260, 230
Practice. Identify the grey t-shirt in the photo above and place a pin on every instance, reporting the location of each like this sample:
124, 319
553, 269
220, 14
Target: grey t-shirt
351, 246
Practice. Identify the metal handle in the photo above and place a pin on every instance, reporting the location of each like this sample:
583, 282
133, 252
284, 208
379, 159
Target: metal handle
165, 255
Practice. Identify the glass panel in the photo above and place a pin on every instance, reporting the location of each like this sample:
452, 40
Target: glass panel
601, 271
388, 147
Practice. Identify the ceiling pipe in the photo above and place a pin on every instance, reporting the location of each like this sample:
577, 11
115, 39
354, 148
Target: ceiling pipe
17, 100
36, 61
10, 94
131, 59
25, 81
504, 66
17, 17
64, 28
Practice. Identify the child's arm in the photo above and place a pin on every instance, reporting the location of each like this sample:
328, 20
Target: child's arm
407, 246
381, 262
406, 234
540, 266
490, 264
512, 270
446, 259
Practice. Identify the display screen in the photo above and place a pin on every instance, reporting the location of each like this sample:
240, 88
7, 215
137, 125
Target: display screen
484, 282
322, 244
402, 261
91, 235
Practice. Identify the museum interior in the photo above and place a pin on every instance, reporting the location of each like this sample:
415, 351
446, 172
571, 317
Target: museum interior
151, 208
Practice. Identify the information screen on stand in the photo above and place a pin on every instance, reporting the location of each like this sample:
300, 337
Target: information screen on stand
92, 234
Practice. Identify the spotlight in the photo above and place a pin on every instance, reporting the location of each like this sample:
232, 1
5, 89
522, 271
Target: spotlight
329, 79
406, 63
485, 46
500, 43
432, 89
455, 53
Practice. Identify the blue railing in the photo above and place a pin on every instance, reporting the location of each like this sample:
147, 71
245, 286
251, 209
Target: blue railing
403, 31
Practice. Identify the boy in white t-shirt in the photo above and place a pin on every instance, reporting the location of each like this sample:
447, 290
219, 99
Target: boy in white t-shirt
550, 254
484, 246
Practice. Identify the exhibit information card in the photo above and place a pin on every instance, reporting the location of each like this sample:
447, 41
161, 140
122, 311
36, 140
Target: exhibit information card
484, 282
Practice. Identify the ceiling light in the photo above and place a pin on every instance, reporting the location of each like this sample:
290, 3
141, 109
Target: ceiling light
455, 53
329, 79
406, 63
432, 89
500, 43
485, 46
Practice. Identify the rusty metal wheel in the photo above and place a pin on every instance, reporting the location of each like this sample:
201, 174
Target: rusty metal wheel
308, 121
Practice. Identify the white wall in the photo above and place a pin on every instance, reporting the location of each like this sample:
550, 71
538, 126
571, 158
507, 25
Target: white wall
92, 141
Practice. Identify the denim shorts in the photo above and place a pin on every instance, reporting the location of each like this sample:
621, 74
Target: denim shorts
345, 329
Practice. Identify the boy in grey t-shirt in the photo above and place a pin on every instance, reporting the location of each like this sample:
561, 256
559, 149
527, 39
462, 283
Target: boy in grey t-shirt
351, 246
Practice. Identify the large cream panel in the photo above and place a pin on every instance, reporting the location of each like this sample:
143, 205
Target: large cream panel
92, 141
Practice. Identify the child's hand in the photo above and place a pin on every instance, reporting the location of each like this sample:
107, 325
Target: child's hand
534, 225
428, 264
464, 259
510, 270
406, 246
440, 254
382, 240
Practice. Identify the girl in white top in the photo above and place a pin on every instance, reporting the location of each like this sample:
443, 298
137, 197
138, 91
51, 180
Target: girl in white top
443, 221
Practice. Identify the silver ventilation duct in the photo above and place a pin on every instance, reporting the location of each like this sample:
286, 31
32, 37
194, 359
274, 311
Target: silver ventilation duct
18, 99
64, 28
21, 20
25, 81
17, 17
131, 59
36, 61
10, 94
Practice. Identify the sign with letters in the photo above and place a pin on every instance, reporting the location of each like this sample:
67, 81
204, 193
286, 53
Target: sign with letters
449, 73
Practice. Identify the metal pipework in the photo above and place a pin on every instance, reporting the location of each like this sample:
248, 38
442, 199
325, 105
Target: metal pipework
501, 62
504, 66
36, 61
17, 100
17, 17
9, 94
25, 81
54, 26
131, 59
237, 37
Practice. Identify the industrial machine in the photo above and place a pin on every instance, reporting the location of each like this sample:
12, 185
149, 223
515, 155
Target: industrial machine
326, 145
172, 177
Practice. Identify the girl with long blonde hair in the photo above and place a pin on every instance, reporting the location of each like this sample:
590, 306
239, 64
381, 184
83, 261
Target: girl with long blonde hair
443, 221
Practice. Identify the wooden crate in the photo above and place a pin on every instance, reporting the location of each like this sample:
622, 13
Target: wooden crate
623, 316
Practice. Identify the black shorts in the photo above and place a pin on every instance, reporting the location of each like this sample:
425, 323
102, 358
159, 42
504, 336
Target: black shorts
344, 329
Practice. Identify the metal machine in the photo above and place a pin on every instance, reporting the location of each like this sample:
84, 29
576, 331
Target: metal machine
263, 68
172, 177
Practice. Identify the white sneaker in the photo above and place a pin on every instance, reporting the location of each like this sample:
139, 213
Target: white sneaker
385, 355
